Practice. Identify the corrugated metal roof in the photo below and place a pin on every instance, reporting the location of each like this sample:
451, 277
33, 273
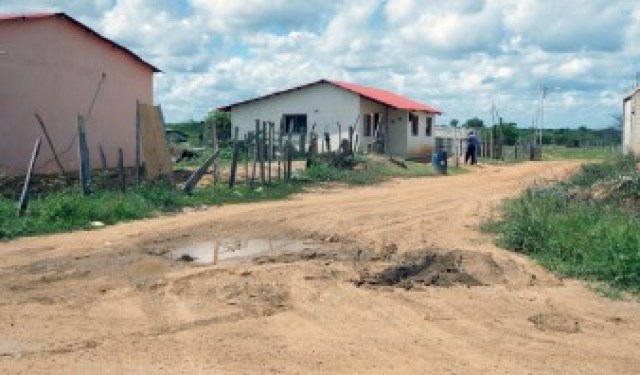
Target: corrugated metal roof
64, 16
384, 97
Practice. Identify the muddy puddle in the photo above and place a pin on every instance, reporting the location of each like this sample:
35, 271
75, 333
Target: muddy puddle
232, 250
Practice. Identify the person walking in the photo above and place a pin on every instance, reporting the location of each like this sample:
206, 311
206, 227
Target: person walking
472, 148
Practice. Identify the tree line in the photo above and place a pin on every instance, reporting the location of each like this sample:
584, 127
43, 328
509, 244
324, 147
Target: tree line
579, 137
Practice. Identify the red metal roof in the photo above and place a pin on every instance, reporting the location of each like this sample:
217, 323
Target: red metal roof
381, 96
386, 97
64, 16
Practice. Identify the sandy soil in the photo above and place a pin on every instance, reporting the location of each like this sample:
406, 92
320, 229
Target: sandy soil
394, 278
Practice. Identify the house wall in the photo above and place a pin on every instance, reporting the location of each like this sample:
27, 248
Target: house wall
421, 144
395, 124
54, 68
324, 105
631, 125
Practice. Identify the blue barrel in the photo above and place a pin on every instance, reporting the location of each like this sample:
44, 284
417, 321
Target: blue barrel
439, 162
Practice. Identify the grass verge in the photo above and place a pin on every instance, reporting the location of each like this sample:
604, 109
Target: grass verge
587, 227
66, 209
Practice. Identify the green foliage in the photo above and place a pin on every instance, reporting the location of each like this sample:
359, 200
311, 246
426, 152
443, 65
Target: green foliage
474, 123
222, 121
370, 171
572, 230
68, 210
592, 173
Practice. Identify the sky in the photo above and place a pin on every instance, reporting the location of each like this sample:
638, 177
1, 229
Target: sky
461, 56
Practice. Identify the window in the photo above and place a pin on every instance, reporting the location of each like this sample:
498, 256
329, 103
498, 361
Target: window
296, 124
415, 124
429, 126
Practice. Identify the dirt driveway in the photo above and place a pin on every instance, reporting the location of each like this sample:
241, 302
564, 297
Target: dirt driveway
394, 278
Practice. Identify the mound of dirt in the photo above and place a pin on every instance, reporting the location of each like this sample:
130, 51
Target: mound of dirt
425, 268
445, 269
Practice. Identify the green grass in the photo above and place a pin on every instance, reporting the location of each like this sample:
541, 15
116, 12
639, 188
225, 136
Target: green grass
67, 210
587, 227
583, 153
370, 171
554, 152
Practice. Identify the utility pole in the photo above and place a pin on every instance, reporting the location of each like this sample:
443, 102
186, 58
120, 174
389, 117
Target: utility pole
543, 95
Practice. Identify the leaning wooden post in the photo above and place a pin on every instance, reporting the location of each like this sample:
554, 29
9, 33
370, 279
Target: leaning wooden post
197, 175
121, 174
234, 159
83, 155
24, 197
216, 166
105, 168
137, 166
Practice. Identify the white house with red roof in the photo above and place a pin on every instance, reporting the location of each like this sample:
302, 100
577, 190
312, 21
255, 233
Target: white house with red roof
382, 121
55, 66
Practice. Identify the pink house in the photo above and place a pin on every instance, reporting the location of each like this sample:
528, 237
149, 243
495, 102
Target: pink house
55, 66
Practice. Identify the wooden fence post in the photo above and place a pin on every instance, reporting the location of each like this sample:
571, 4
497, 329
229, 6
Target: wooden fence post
281, 154
289, 153
270, 148
263, 143
83, 156
105, 168
24, 196
216, 166
351, 140
234, 159
246, 159
256, 147
137, 166
121, 174
327, 139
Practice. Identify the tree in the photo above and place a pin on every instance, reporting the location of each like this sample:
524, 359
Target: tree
474, 123
510, 133
454, 123
223, 123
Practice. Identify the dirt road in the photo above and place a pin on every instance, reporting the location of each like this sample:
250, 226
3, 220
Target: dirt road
394, 278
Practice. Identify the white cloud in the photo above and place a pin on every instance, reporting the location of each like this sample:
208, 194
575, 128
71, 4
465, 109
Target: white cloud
260, 15
459, 55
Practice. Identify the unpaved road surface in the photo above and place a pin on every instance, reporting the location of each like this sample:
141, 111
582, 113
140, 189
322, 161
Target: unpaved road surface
394, 278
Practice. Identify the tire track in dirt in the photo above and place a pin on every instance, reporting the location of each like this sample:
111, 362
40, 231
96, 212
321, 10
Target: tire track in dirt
402, 282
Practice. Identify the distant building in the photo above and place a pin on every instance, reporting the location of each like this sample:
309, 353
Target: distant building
55, 66
382, 121
453, 140
631, 122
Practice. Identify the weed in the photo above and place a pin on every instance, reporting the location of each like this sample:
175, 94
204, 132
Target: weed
566, 229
